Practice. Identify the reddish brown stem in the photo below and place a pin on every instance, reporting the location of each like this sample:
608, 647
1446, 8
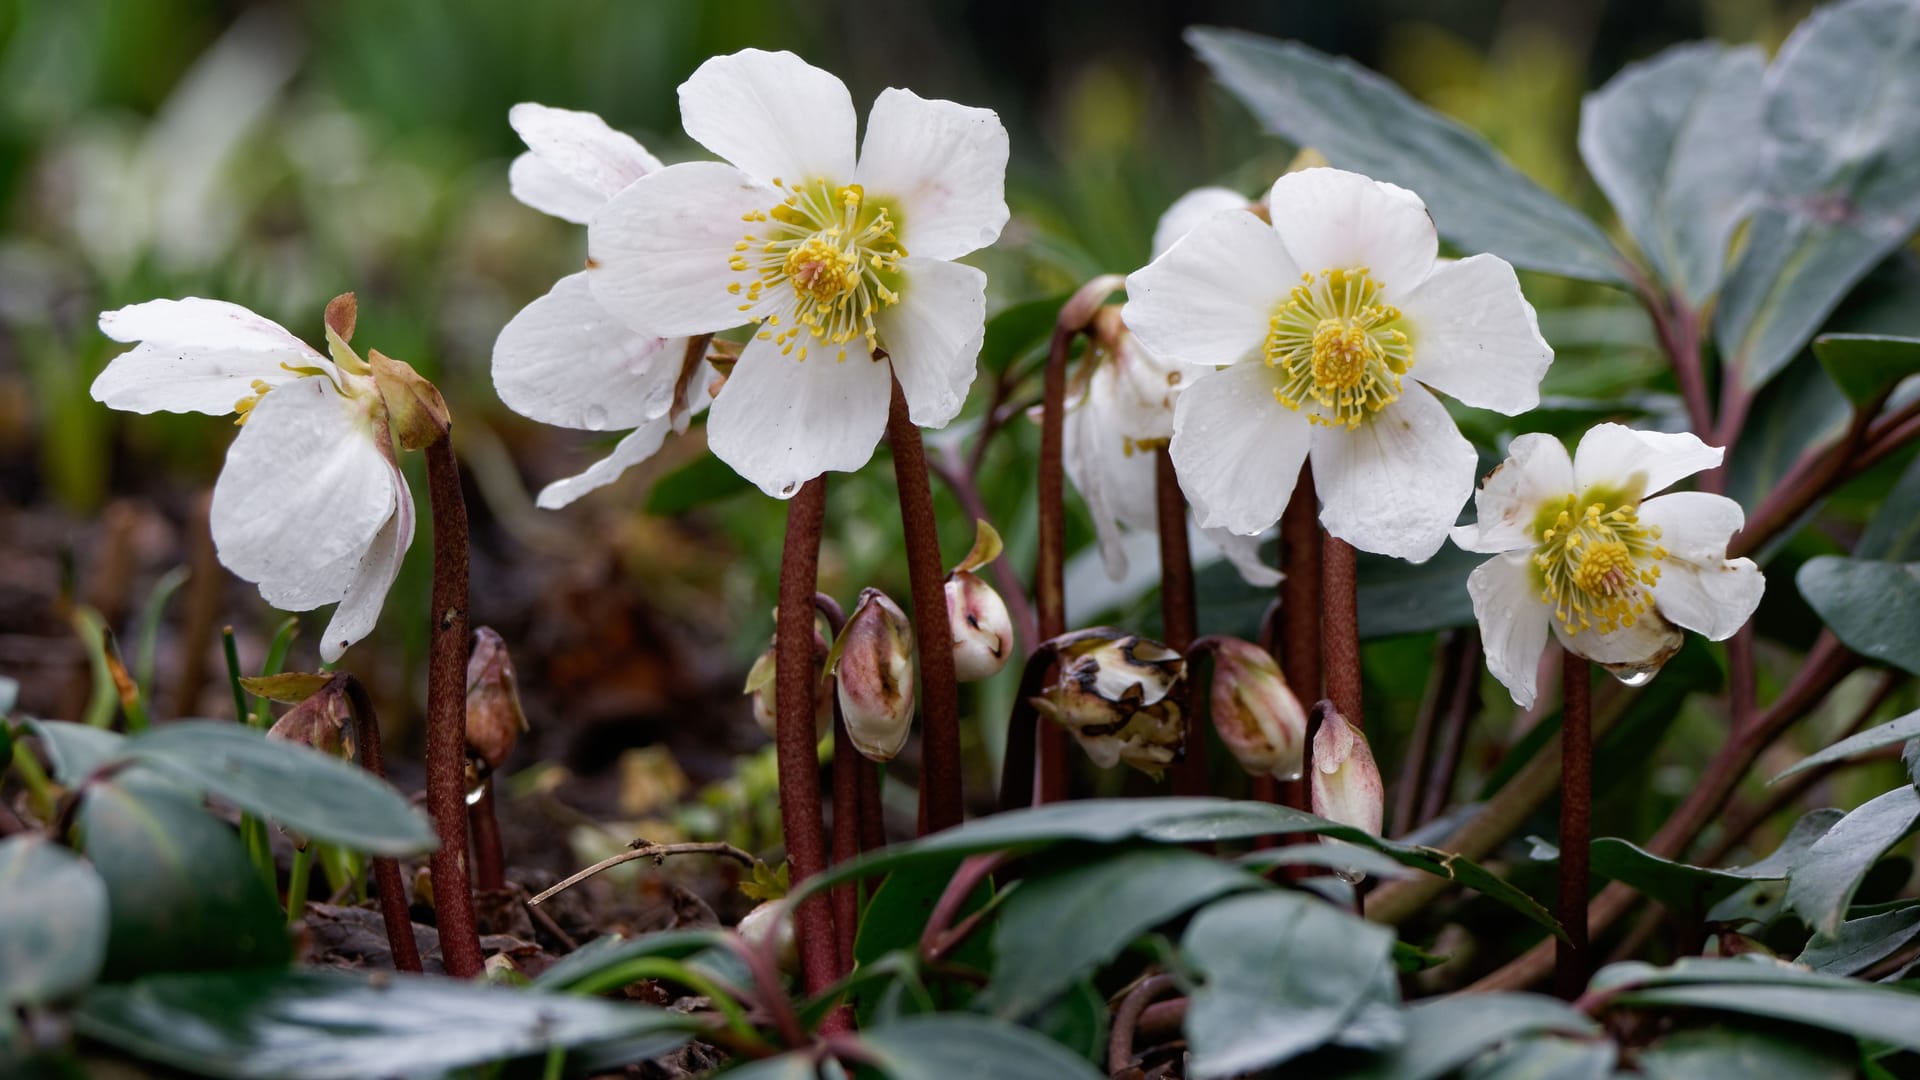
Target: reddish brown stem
1576, 823
489, 863
447, 715
1340, 627
1177, 610
944, 926
1452, 737
797, 756
848, 764
1126, 1020
1413, 768
1049, 575
1300, 558
1025, 727
1815, 474
942, 801
386, 870
873, 822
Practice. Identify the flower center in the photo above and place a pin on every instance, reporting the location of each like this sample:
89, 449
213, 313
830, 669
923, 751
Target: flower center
837, 251
1596, 564
1339, 348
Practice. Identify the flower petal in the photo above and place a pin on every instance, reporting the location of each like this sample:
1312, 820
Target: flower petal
373, 575
1513, 621
1190, 210
1244, 553
781, 422
1614, 456
1537, 469
946, 166
933, 336
772, 114
195, 356
1395, 484
563, 360
304, 488
639, 445
1115, 480
1331, 219
1475, 337
1236, 449
1649, 642
1210, 298
1699, 588
659, 252
576, 162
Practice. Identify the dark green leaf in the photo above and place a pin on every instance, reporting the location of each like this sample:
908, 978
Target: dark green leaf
1543, 1057
1761, 900
1399, 597
1841, 178
1728, 1051
896, 915
1823, 883
1686, 888
1893, 534
1283, 973
1675, 144
1445, 1033
308, 792
1867, 365
957, 1046
784, 1067
1063, 924
601, 958
1795, 412
703, 480
53, 922
1076, 1020
1348, 857
1364, 122
1862, 943
317, 1025
1769, 988
1868, 605
1891, 733
74, 751
181, 892
1017, 330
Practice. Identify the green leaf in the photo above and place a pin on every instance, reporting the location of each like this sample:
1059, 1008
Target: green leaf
703, 480
1823, 883
1674, 142
288, 688
1283, 973
948, 1046
1797, 411
1542, 1057
1019, 329
318, 1025
1077, 1020
1445, 1033
1362, 121
1399, 597
895, 917
1769, 988
1868, 605
1760, 902
181, 892
74, 751
1893, 533
593, 962
1841, 178
53, 922
1866, 366
1862, 943
1728, 1051
302, 789
1685, 888
1065, 923
1335, 856
1891, 733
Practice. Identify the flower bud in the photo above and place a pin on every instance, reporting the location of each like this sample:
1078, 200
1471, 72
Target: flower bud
982, 629
1116, 693
418, 412
771, 918
1255, 712
494, 717
875, 676
761, 685
1346, 781
323, 720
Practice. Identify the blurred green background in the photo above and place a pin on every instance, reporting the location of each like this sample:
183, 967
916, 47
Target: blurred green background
277, 154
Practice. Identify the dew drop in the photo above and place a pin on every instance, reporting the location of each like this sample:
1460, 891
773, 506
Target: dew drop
596, 417
475, 792
1633, 674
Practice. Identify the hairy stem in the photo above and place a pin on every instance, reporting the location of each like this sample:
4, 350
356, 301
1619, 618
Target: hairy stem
1340, 628
386, 870
1049, 575
1178, 616
1576, 823
1300, 559
447, 715
797, 755
489, 863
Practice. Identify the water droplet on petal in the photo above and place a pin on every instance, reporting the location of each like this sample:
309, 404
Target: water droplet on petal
596, 417
1634, 674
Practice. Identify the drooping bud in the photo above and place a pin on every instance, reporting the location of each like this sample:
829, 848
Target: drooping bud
874, 675
1115, 693
322, 720
494, 717
761, 683
1255, 712
419, 414
770, 919
977, 616
1346, 781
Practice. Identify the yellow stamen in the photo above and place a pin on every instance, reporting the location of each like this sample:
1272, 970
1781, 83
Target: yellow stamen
1340, 347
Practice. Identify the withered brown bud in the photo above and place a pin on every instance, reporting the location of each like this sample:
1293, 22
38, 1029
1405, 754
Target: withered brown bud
494, 717
324, 721
1115, 693
874, 674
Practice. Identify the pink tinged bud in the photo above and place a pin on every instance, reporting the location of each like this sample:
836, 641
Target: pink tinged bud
761, 682
494, 717
323, 720
1346, 781
1116, 693
982, 629
1256, 714
874, 676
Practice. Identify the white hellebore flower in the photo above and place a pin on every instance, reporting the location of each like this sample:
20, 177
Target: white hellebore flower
834, 259
1126, 412
564, 360
1330, 327
310, 506
1582, 548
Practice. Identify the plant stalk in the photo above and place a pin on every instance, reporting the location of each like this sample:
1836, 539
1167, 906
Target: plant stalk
1049, 576
1340, 628
1178, 618
1576, 823
386, 870
489, 862
447, 715
1300, 606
